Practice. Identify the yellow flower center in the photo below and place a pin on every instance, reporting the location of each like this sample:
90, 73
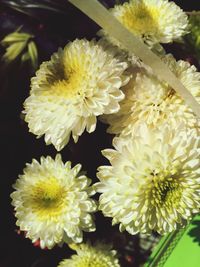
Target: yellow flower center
74, 75
94, 261
47, 198
140, 19
166, 191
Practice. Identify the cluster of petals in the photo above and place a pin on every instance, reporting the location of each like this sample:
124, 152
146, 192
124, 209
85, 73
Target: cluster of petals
151, 101
154, 21
98, 255
52, 202
153, 182
79, 83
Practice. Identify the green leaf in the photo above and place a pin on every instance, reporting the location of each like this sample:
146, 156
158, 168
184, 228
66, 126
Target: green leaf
25, 57
15, 37
28, 6
13, 51
33, 53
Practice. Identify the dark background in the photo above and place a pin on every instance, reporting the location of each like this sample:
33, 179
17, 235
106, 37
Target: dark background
17, 146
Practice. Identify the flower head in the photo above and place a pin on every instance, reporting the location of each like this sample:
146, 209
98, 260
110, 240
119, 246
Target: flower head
155, 21
99, 255
153, 182
52, 202
154, 102
79, 83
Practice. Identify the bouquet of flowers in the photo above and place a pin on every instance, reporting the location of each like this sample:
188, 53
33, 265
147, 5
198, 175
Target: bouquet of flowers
129, 91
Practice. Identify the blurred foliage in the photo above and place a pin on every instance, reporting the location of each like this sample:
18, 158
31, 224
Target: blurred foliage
20, 44
193, 38
28, 6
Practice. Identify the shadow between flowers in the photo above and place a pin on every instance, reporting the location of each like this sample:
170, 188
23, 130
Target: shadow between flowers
194, 233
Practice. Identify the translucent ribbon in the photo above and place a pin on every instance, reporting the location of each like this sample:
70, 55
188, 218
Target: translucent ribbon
104, 18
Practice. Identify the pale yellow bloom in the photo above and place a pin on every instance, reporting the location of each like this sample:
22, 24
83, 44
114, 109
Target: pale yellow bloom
98, 255
153, 182
155, 21
52, 202
79, 83
153, 102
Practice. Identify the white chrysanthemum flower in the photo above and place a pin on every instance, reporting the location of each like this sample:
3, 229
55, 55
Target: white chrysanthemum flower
153, 182
69, 91
99, 255
153, 102
52, 202
155, 21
